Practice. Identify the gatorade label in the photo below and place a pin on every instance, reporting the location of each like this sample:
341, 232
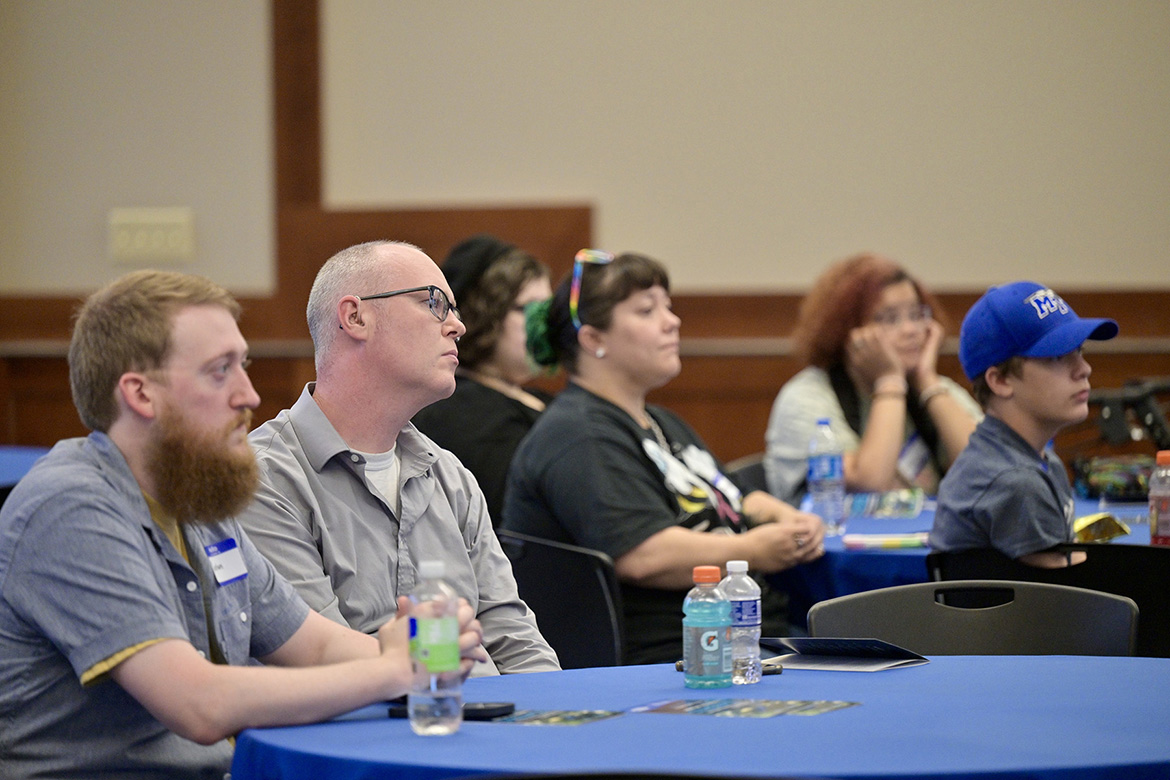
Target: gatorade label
707, 651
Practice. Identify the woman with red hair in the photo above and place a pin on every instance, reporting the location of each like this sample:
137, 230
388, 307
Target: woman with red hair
869, 338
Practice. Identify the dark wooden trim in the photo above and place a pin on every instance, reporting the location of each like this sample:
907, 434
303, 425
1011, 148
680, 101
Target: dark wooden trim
309, 236
296, 52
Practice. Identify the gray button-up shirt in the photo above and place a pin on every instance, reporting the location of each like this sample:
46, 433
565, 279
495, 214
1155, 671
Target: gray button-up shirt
323, 526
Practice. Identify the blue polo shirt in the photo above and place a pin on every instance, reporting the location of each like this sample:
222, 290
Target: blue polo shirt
1000, 493
85, 574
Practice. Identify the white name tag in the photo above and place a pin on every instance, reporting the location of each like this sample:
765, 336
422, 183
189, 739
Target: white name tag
913, 458
227, 562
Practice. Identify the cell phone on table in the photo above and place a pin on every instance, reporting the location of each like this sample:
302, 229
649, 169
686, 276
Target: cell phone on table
472, 710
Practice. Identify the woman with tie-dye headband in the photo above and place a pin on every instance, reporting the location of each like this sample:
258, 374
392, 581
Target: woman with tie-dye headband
603, 469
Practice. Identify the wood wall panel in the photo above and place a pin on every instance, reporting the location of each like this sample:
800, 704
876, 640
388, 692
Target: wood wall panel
727, 399
279, 381
309, 236
39, 408
38, 405
1141, 315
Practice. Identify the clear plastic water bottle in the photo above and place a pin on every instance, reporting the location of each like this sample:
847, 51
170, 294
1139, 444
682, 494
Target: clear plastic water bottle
706, 632
1160, 500
743, 594
435, 700
826, 478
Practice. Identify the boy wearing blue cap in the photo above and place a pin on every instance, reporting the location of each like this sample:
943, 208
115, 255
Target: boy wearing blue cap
1020, 345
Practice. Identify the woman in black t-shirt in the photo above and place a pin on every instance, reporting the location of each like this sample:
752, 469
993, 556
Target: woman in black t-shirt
603, 469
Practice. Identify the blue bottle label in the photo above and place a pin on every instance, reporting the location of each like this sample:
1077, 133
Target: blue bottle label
825, 467
745, 613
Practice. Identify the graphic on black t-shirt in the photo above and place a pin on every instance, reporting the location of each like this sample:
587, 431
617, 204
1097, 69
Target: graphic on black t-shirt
707, 500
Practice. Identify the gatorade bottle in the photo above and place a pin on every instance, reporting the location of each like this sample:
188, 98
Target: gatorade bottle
706, 632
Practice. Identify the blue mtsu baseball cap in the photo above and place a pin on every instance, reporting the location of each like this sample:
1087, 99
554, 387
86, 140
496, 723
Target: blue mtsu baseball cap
1024, 319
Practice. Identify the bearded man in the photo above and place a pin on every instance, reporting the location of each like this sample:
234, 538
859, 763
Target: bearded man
130, 599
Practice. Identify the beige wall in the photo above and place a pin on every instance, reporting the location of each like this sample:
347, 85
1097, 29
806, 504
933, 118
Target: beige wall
749, 143
133, 103
745, 143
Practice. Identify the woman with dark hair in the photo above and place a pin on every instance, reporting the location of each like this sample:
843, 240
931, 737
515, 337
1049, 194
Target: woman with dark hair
490, 411
869, 337
603, 469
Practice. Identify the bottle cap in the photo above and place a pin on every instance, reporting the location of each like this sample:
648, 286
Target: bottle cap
738, 567
1163, 457
706, 574
431, 570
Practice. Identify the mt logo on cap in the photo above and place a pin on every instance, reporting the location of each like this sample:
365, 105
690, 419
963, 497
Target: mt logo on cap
1023, 319
1047, 302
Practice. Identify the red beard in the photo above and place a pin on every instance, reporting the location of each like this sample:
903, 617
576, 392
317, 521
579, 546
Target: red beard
198, 479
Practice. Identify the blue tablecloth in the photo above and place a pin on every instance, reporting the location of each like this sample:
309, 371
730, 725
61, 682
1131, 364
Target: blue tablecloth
956, 717
841, 572
15, 462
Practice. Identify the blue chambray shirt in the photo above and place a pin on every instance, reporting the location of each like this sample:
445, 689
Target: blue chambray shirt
86, 573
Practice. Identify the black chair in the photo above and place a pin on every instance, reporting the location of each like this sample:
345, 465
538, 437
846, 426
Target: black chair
1014, 618
748, 472
1139, 572
575, 595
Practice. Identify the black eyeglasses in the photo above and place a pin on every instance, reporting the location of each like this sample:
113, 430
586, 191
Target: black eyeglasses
439, 303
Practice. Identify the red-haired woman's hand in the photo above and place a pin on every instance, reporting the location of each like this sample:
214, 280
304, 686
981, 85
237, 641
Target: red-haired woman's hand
926, 372
870, 354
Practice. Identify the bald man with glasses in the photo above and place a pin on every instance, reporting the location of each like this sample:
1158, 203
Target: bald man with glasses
352, 495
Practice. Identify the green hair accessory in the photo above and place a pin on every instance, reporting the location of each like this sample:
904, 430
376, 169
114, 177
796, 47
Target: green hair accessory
540, 347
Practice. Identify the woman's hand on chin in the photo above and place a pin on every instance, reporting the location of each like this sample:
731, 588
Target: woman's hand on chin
869, 355
926, 372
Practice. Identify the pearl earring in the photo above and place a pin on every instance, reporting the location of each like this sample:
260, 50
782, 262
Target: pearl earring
600, 353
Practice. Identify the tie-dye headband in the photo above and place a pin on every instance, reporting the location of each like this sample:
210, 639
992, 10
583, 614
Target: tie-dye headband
584, 256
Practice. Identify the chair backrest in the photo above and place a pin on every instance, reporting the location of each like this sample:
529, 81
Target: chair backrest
1012, 618
748, 471
575, 594
1140, 572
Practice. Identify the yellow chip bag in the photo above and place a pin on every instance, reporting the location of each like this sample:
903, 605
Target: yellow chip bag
1100, 527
